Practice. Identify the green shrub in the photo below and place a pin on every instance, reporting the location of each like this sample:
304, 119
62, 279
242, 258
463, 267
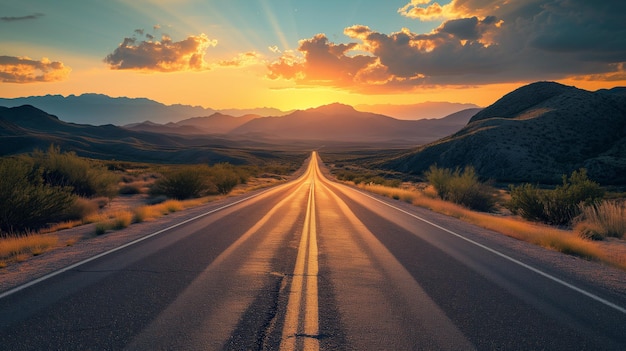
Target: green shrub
461, 187
26, 202
225, 177
559, 206
86, 178
528, 201
185, 183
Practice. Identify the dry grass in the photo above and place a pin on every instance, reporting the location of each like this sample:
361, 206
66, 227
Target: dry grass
61, 226
607, 219
115, 220
18, 249
560, 240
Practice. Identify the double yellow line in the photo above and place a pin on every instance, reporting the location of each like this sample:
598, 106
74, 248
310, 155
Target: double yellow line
301, 328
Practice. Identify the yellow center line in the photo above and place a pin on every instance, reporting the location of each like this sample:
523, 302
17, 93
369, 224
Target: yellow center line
301, 327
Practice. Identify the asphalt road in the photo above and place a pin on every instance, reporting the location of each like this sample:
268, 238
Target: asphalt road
311, 265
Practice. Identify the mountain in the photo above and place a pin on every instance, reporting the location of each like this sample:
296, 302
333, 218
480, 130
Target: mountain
217, 123
25, 128
98, 109
535, 134
342, 123
422, 110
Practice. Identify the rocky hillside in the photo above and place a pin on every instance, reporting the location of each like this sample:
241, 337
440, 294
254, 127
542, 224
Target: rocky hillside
536, 134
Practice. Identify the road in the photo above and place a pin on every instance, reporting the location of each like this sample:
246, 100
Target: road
311, 265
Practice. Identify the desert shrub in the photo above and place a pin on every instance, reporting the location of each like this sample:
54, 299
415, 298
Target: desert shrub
86, 178
600, 220
184, 183
26, 202
81, 208
528, 201
225, 177
461, 187
559, 206
367, 177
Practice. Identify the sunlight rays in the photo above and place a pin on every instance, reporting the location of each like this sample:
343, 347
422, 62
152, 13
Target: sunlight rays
278, 31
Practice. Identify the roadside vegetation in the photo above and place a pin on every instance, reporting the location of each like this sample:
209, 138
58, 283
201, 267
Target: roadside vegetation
568, 218
47, 191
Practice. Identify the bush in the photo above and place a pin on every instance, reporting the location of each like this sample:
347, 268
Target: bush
559, 206
461, 187
86, 178
365, 177
604, 219
225, 177
26, 202
184, 183
81, 208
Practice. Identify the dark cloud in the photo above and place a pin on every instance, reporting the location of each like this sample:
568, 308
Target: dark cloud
162, 56
479, 42
26, 70
21, 18
468, 28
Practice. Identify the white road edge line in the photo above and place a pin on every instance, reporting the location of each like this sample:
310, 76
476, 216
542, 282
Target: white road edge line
55, 273
538, 271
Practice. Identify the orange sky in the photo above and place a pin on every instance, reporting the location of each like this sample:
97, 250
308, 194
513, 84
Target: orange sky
238, 54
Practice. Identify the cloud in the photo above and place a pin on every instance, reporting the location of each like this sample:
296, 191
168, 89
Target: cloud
244, 59
26, 70
161, 56
321, 62
431, 12
21, 18
477, 42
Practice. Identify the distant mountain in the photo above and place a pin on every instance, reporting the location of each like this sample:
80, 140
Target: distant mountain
535, 134
98, 109
25, 128
342, 123
424, 110
216, 123
261, 111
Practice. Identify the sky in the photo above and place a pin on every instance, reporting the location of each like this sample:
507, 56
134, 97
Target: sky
295, 54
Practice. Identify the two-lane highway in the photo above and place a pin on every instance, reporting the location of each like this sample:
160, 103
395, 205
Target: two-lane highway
312, 265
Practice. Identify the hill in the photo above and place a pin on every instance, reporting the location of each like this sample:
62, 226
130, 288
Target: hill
535, 134
25, 128
342, 123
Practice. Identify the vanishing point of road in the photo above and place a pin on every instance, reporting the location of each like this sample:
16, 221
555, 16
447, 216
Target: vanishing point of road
311, 265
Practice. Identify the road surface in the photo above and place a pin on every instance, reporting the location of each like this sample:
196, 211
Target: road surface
311, 265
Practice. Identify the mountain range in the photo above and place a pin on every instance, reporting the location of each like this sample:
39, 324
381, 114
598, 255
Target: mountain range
26, 128
218, 137
536, 134
330, 124
98, 109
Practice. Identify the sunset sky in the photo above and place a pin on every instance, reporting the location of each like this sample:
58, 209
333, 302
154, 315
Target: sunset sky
293, 54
